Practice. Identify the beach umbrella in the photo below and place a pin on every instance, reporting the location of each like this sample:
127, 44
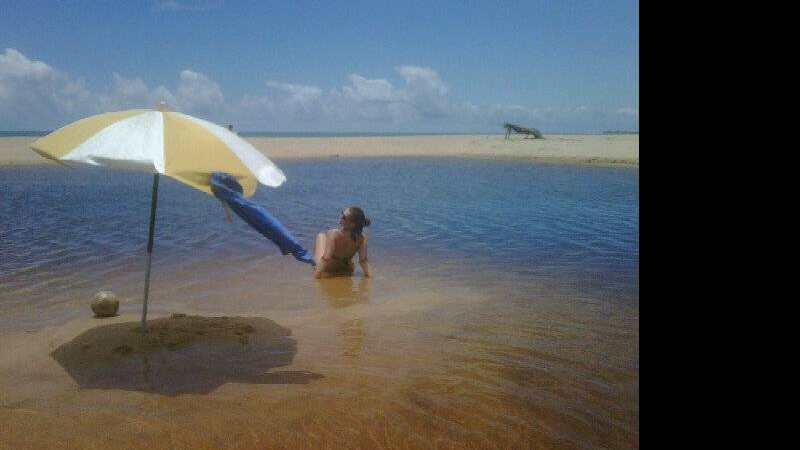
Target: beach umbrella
178, 145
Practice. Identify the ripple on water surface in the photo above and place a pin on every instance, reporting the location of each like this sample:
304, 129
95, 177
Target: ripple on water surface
504, 310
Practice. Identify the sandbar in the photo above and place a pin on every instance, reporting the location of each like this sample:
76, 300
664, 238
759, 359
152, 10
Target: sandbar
614, 150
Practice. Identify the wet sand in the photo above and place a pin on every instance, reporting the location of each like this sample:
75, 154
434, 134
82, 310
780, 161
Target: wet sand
618, 150
446, 370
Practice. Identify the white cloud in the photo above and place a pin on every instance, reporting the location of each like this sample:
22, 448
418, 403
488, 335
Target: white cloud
423, 80
75, 99
130, 87
198, 94
15, 65
366, 90
365, 101
129, 93
34, 95
287, 105
296, 93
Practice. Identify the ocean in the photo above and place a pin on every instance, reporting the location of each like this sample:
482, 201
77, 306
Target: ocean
503, 310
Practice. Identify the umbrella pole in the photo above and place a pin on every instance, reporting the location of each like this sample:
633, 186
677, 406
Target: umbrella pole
153, 204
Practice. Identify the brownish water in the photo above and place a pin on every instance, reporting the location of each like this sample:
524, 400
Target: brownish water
449, 346
437, 367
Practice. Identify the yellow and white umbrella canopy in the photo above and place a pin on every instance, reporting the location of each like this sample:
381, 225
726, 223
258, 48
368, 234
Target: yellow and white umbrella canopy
177, 145
163, 142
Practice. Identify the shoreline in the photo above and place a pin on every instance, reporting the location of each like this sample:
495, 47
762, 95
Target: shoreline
601, 150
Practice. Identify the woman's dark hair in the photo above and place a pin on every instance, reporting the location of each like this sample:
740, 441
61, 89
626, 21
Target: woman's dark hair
359, 219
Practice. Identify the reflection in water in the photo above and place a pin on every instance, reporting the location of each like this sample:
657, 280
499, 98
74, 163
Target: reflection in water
341, 292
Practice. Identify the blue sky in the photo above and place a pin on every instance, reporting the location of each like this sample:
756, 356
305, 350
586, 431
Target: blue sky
434, 66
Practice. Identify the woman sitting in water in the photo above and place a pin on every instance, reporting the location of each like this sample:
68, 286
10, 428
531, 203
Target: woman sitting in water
334, 250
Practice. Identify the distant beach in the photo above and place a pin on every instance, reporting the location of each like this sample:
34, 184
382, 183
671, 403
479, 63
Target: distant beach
606, 149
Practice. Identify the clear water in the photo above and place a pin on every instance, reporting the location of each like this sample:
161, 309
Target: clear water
506, 294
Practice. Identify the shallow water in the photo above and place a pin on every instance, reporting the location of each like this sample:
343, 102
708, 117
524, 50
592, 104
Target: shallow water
504, 310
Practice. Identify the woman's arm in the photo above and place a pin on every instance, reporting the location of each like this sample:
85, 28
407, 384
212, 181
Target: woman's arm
362, 257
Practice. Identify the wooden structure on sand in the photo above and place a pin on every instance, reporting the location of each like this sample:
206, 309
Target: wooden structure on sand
522, 130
